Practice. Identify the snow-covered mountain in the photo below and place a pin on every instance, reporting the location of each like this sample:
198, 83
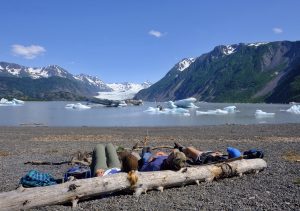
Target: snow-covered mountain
19, 71
93, 81
89, 83
184, 63
123, 91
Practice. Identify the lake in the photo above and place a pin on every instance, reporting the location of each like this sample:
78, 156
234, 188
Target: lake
55, 114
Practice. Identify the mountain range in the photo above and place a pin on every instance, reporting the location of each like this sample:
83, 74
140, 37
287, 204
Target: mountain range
253, 72
53, 83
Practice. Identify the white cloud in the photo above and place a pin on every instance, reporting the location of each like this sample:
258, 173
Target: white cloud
277, 30
28, 52
155, 33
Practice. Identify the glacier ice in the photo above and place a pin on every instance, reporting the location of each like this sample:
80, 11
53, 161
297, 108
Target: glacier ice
224, 111
176, 111
262, 114
14, 102
77, 106
171, 105
186, 103
295, 109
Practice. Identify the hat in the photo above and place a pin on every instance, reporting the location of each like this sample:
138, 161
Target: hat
176, 160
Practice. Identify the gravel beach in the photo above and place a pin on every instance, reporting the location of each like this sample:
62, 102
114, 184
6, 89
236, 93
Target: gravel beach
276, 188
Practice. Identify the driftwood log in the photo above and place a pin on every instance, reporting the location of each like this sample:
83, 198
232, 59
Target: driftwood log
25, 198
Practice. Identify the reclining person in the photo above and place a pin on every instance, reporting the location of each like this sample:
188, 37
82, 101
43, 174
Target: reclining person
106, 160
200, 157
161, 161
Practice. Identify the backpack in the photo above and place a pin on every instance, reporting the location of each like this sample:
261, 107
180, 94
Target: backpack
79, 172
253, 153
35, 178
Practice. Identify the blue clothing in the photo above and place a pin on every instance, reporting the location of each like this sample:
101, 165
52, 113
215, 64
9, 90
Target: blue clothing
233, 152
36, 179
154, 165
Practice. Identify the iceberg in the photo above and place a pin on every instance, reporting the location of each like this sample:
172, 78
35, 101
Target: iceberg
77, 106
14, 102
20, 102
171, 104
224, 111
186, 103
175, 111
230, 109
262, 114
295, 109
213, 112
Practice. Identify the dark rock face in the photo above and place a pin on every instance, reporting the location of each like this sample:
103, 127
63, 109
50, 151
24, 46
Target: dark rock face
234, 73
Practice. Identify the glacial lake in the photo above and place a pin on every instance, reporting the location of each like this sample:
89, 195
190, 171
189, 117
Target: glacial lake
55, 114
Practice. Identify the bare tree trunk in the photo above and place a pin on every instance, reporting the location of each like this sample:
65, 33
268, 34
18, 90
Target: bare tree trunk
25, 198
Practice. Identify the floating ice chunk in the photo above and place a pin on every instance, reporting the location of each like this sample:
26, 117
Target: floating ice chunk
175, 111
122, 103
170, 104
18, 101
230, 109
212, 112
262, 114
14, 102
186, 103
78, 106
295, 109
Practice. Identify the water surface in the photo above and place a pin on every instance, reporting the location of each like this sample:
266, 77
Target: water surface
55, 114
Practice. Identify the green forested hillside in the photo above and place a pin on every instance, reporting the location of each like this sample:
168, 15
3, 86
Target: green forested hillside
249, 74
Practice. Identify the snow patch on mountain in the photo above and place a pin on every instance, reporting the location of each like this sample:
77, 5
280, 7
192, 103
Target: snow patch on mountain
91, 80
228, 49
185, 63
257, 44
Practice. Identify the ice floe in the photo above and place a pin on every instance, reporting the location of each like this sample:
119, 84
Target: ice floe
14, 102
224, 111
171, 105
186, 103
295, 109
77, 106
262, 114
176, 111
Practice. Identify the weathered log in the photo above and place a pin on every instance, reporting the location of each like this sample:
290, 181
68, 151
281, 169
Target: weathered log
73, 191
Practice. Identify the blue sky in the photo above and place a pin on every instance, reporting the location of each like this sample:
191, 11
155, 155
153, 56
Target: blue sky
135, 40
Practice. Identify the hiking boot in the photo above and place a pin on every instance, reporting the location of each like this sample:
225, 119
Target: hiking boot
178, 146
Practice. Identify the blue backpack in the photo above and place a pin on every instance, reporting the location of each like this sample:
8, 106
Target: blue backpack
253, 153
79, 172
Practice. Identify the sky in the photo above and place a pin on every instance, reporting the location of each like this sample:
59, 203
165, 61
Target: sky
135, 40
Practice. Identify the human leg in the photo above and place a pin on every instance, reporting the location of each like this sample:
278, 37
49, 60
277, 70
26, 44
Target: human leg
98, 159
112, 156
192, 152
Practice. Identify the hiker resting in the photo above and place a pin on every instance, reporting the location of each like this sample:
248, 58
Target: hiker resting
161, 161
198, 157
106, 161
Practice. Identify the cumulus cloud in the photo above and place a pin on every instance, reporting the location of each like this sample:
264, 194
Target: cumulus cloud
155, 33
277, 30
28, 52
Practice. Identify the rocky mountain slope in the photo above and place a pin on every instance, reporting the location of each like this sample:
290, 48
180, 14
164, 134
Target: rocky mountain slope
46, 83
256, 72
